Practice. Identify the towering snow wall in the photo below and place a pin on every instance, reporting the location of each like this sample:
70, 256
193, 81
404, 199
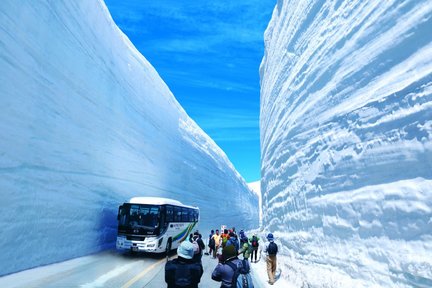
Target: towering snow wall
86, 123
346, 127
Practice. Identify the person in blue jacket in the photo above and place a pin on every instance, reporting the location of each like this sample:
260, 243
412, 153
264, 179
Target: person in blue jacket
223, 272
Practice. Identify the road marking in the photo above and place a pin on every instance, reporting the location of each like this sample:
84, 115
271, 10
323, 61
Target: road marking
140, 275
100, 282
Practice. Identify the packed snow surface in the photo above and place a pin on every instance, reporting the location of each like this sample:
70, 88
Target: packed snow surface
86, 123
346, 137
256, 188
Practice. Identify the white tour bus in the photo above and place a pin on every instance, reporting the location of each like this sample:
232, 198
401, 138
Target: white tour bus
152, 224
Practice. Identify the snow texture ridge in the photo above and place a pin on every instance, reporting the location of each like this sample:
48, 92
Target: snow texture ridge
86, 124
346, 141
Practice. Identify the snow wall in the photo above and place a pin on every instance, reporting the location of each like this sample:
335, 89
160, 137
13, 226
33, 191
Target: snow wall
346, 141
86, 123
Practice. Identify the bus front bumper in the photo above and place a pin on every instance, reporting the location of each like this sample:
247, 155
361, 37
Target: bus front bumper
136, 246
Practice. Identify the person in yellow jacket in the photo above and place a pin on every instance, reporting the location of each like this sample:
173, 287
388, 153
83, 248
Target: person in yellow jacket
217, 242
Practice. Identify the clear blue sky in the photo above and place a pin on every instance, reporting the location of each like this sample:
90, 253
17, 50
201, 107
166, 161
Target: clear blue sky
208, 52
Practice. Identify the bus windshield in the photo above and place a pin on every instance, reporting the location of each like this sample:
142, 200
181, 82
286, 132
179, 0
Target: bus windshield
138, 216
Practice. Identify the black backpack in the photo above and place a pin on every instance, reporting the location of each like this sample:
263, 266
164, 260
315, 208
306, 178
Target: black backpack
183, 277
241, 277
272, 248
212, 243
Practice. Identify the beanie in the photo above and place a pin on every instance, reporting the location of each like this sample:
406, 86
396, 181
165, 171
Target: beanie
229, 252
186, 250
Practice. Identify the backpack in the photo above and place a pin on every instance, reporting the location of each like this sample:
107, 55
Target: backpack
241, 277
247, 250
183, 276
201, 244
272, 248
197, 248
254, 241
236, 243
232, 241
212, 243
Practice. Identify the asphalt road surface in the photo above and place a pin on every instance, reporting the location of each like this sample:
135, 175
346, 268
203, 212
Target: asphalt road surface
106, 269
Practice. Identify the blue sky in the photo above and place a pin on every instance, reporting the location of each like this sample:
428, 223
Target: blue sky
208, 52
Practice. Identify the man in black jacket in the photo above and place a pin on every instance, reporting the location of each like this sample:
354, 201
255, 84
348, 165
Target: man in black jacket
199, 243
183, 271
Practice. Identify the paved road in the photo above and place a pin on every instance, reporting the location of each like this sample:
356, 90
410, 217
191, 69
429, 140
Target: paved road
106, 269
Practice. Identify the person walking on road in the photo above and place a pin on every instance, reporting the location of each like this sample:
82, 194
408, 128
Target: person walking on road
225, 236
217, 240
198, 246
233, 241
183, 271
245, 249
242, 237
271, 249
224, 271
254, 242
211, 242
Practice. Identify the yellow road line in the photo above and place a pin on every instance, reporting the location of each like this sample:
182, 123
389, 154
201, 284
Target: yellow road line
140, 275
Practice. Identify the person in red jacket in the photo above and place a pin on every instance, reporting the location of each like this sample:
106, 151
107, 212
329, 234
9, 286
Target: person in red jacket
225, 236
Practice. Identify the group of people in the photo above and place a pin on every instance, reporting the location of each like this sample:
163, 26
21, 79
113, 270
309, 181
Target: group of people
231, 271
243, 245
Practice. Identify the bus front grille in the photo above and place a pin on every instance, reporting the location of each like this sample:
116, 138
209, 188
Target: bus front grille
135, 238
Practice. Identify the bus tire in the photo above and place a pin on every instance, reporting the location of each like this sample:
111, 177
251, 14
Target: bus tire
168, 246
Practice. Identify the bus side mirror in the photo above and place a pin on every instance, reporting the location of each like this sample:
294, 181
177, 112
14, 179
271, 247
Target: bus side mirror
118, 213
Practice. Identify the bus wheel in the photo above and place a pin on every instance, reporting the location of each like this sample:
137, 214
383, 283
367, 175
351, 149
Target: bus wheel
168, 247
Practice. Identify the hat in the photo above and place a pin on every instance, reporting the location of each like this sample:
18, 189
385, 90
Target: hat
270, 237
229, 252
186, 250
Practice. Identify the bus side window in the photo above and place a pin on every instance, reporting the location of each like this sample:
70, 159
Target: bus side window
185, 214
163, 223
169, 214
191, 215
177, 214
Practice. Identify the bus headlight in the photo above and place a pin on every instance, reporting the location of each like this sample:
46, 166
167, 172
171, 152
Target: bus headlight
121, 240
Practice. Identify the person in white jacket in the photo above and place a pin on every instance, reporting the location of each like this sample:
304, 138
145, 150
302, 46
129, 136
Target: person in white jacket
271, 250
